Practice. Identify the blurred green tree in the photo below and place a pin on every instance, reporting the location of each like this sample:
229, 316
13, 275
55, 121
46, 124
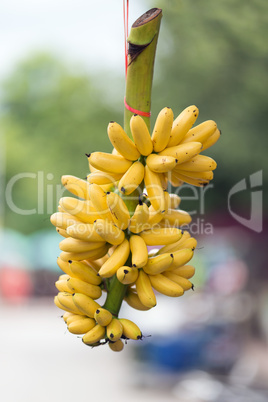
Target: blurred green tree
51, 116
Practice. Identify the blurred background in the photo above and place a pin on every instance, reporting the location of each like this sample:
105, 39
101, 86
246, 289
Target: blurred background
61, 82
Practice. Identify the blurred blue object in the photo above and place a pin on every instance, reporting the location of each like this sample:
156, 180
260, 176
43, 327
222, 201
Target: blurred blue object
45, 249
209, 347
15, 250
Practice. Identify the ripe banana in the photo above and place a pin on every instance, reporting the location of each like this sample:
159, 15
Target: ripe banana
66, 300
211, 140
139, 219
139, 252
109, 163
201, 132
76, 186
74, 317
94, 335
103, 178
103, 317
86, 255
116, 346
78, 286
127, 275
83, 210
141, 135
84, 231
175, 201
62, 285
66, 315
98, 199
133, 301
154, 217
170, 248
114, 330
182, 125
132, 178
161, 163
154, 189
158, 264
162, 129
183, 282
84, 304
64, 266
196, 175
161, 236
176, 217
199, 163
186, 271
62, 220
165, 286
121, 142
130, 329
109, 232
183, 152
81, 326
84, 272
118, 209
117, 260
71, 245
181, 257
171, 177
191, 180
144, 290
62, 232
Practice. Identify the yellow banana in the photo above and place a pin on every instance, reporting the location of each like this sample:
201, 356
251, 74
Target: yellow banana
158, 264
62, 220
164, 285
85, 232
81, 326
59, 305
64, 266
175, 201
84, 272
86, 255
196, 175
162, 129
116, 346
154, 189
161, 236
114, 330
170, 248
172, 178
183, 282
78, 286
191, 180
132, 178
181, 257
183, 152
62, 232
62, 285
74, 317
117, 260
102, 178
199, 163
109, 232
161, 163
67, 314
138, 250
66, 300
133, 301
103, 317
121, 142
83, 210
98, 199
85, 304
182, 125
141, 135
139, 219
144, 290
211, 140
154, 217
94, 335
118, 209
130, 329
176, 217
109, 163
186, 271
201, 132
71, 245
76, 186
127, 275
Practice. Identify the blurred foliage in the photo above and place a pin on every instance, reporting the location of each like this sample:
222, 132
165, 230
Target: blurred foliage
210, 53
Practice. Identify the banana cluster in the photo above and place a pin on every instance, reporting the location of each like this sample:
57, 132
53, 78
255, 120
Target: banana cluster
171, 154
122, 211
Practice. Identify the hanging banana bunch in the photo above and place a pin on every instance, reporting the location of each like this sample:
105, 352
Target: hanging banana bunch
107, 235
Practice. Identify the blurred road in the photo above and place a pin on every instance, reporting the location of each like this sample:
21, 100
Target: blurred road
41, 362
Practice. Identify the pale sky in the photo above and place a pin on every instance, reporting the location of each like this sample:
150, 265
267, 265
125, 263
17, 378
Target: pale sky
77, 30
